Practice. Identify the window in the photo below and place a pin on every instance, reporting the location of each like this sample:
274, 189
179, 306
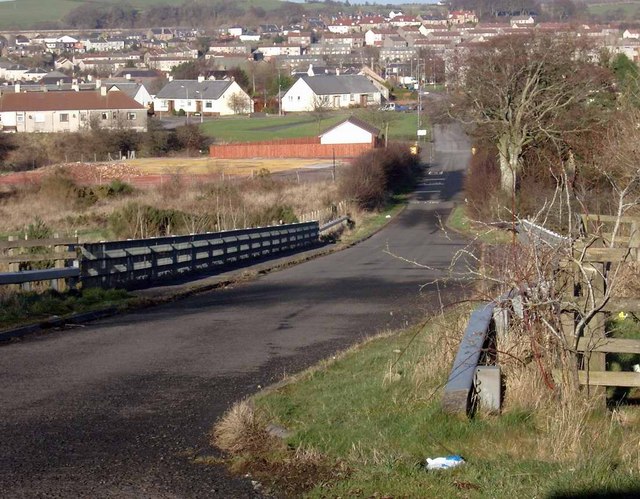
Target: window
131, 116
114, 115
20, 118
208, 104
105, 116
64, 118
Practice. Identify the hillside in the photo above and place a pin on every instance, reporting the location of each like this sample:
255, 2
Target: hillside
22, 14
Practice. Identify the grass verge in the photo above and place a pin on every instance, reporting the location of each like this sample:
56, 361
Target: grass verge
460, 222
370, 223
367, 420
20, 308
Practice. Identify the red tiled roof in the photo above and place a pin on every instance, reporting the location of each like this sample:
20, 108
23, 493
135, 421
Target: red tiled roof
66, 101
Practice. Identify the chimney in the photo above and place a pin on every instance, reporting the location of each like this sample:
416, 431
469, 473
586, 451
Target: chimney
75, 87
98, 83
16, 88
200, 79
170, 78
90, 78
127, 76
337, 72
103, 91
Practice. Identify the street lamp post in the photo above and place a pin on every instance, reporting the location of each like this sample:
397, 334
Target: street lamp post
201, 105
186, 91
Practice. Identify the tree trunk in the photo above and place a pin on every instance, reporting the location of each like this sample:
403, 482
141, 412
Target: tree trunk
509, 154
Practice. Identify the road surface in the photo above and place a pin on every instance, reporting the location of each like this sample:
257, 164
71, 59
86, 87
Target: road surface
118, 408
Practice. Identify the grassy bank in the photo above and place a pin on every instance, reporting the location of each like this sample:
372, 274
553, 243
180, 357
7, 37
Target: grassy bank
362, 425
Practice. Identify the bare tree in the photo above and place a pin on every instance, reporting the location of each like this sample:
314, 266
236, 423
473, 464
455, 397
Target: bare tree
524, 91
239, 103
320, 108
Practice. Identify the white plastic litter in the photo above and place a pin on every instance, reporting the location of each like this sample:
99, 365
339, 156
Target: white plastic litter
444, 463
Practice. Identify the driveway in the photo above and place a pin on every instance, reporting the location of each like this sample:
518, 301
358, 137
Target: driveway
120, 407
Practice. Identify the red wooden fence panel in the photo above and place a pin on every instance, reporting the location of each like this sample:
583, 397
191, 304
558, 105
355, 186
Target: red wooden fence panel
278, 149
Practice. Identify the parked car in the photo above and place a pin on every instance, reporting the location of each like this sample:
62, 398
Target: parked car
392, 106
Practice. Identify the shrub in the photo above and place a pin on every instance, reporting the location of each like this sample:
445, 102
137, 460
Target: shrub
116, 188
376, 173
482, 183
142, 221
364, 184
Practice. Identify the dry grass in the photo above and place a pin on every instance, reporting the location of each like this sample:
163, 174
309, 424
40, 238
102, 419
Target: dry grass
440, 345
226, 205
200, 166
240, 429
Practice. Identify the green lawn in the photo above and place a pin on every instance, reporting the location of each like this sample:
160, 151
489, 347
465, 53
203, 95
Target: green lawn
244, 129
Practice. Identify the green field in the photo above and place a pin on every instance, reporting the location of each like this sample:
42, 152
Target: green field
26, 13
628, 9
244, 129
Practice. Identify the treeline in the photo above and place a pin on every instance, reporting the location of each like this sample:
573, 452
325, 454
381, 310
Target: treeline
27, 151
560, 10
194, 14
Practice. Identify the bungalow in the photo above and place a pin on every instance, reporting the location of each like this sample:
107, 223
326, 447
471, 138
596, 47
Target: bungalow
206, 97
69, 111
332, 92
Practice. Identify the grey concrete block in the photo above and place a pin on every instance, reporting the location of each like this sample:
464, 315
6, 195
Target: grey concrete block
488, 387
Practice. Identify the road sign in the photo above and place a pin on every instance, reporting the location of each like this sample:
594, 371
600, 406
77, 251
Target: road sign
422, 133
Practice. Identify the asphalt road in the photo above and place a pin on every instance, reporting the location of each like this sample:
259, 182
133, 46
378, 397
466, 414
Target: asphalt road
118, 408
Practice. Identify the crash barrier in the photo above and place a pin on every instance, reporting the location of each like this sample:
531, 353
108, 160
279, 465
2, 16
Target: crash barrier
137, 263
141, 262
595, 259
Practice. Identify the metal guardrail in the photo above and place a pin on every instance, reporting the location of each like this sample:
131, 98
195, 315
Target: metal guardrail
334, 223
529, 232
140, 262
457, 397
136, 263
27, 276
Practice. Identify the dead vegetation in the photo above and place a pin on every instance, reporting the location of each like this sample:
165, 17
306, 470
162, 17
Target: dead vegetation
114, 209
265, 458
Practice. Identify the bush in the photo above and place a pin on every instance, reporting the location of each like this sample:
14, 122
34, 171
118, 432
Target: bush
379, 172
364, 184
116, 188
134, 221
482, 183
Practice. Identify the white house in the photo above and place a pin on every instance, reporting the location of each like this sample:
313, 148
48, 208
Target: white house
331, 92
137, 91
631, 33
350, 131
205, 97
